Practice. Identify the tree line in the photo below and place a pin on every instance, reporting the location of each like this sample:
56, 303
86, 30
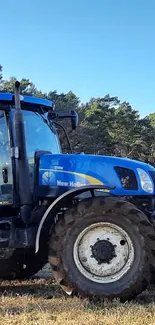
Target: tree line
107, 126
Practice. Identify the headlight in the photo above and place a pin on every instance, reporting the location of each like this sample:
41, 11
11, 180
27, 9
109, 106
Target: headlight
145, 180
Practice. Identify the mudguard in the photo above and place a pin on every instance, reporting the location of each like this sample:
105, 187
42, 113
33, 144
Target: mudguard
62, 200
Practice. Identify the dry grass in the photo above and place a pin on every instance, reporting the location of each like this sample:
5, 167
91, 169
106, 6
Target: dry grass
40, 301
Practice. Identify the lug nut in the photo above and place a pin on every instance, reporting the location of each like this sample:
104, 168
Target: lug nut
84, 259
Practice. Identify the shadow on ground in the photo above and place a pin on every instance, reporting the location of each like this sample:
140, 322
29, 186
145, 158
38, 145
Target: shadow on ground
38, 288
48, 289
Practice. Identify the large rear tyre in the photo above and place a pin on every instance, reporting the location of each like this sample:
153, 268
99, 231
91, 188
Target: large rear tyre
103, 247
20, 264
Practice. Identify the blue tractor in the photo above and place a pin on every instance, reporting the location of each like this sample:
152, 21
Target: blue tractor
91, 217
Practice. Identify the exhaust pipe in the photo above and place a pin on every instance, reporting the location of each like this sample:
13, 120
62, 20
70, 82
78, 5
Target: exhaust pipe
22, 169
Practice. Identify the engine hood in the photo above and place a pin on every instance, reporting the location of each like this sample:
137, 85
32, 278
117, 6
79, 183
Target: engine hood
78, 170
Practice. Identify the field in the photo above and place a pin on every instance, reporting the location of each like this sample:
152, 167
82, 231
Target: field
40, 301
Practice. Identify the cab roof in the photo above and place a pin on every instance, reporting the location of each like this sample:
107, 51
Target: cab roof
29, 102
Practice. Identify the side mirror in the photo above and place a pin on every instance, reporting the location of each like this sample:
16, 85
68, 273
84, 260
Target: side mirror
73, 116
74, 119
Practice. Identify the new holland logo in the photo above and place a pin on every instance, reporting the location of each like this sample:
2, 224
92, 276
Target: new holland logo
48, 178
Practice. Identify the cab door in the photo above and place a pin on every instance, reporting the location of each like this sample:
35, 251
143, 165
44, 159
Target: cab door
6, 179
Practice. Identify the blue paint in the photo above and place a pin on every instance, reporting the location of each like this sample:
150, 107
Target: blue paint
60, 170
8, 98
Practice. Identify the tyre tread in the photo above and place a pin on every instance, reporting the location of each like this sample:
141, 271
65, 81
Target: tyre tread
103, 205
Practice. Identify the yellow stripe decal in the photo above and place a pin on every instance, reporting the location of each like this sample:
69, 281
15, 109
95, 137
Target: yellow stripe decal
92, 180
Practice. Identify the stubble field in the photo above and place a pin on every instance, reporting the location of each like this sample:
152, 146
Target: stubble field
41, 301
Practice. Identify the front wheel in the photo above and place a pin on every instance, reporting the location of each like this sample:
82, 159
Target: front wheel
103, 248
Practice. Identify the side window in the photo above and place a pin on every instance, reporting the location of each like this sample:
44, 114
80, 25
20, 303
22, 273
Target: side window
38, 137
5, 163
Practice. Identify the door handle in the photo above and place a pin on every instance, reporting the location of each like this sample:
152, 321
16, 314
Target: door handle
5, 175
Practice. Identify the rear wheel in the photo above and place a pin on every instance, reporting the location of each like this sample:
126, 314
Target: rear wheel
103, 247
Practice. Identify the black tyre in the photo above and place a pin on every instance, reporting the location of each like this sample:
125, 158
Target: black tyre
103, 247
20, 264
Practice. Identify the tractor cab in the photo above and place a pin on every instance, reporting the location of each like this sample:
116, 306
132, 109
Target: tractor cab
40, 137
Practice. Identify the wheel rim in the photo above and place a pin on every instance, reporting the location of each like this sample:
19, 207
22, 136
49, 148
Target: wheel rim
103, 252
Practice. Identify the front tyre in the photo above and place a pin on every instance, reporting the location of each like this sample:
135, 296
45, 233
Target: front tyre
103, 248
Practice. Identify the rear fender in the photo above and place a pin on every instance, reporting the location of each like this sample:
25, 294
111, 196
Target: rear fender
62, 201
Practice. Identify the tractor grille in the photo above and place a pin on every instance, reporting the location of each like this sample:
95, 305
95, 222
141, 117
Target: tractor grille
127, 178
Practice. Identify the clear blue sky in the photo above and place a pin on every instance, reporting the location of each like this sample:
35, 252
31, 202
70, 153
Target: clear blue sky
92, 47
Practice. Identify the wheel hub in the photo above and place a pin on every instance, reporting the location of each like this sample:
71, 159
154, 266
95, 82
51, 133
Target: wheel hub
103, 251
